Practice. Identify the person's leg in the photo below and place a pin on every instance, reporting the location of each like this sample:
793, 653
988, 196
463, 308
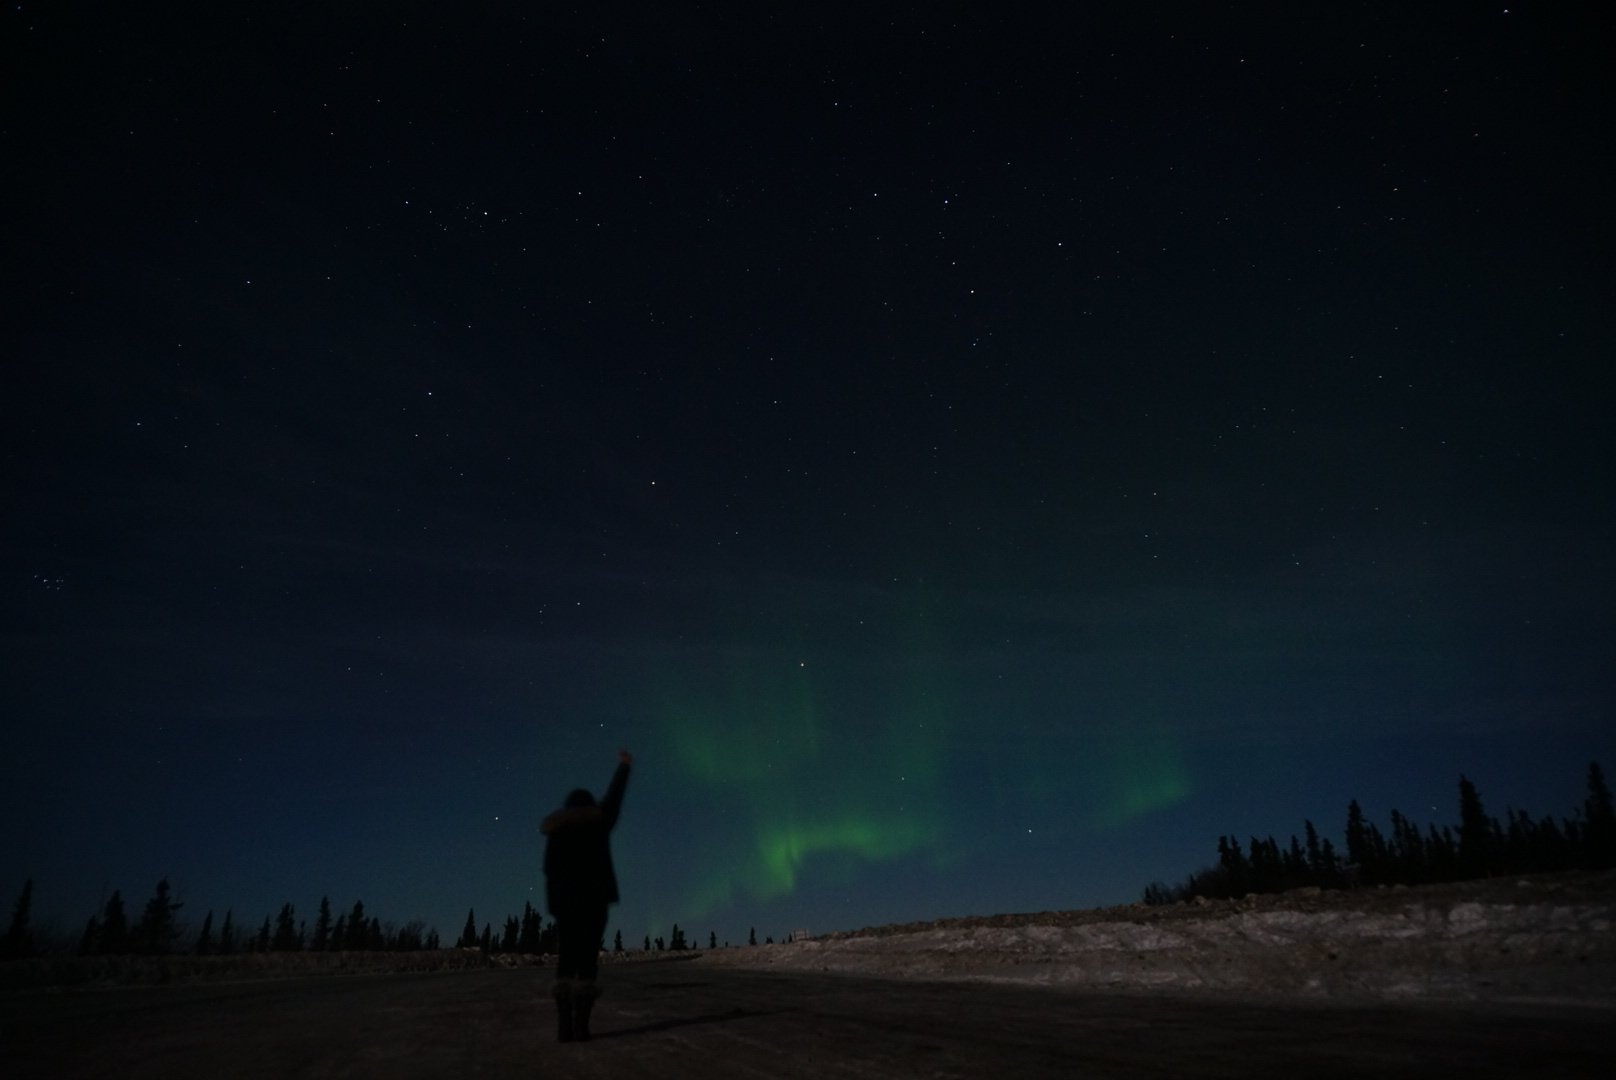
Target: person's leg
590, 929
566, 981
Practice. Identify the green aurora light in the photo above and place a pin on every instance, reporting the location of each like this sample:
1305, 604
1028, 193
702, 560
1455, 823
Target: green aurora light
822, 766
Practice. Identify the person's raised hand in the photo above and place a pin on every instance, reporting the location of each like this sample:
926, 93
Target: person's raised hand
625, 757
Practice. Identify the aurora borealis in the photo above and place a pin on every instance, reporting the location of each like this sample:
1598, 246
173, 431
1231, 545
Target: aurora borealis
972, 458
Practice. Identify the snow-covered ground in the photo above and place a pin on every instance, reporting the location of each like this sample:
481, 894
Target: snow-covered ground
1547, 937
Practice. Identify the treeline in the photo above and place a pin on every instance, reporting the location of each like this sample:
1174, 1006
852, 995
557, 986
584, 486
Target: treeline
1480, 846
530, 934
157, 931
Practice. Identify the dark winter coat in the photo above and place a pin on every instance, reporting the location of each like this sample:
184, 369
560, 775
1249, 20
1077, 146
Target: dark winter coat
578, 858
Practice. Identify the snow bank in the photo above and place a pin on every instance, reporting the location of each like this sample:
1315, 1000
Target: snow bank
1540, 937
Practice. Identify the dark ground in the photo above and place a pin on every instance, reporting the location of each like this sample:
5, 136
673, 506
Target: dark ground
679, 1019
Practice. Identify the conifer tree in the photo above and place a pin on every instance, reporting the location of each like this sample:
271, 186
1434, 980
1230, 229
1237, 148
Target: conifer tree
114, 936
204, 939
339, 934
468, 936
1357, 838
617, 944
358, 927
751, 938
91, 941
486, 942
285, 930
712, 940
513, 934
262, 944
227, 935
677, 942
322, 926
376, 939
1236, 870
1475, 833
1375, 871
18, 941
1332, 865
1295, 864
647, 946
1441, 854
532, 926
1599, 816
155, 931
1315, 853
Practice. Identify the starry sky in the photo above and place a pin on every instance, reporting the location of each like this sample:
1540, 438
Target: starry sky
973, 455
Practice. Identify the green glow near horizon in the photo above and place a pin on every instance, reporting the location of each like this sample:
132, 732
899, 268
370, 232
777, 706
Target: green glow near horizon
806, 787
824, 765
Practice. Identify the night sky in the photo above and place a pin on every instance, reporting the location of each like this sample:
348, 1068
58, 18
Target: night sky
973, 455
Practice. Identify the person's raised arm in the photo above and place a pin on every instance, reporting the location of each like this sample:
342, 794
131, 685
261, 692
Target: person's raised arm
613, 802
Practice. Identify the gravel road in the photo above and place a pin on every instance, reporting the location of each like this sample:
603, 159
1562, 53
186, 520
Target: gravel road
684, 1018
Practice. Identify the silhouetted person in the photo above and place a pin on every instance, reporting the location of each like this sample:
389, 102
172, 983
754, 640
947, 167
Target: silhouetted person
579, 884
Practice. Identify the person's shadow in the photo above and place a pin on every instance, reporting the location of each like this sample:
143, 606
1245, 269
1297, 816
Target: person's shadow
688, 1021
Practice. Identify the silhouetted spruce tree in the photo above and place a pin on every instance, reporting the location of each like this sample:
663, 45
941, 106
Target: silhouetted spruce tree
548, 942
114, 936
262, 942
1441, 854
1267, 866
768, 941
532, 927
1376, 870
659, 946
486, 942
227, 935
376, 939
513, 934
1475, 833
204, 938
339, 934
1332, 864
468, 936
677, 942
358, 927
647, 946
19, 940
1407, 851
155, 931
712, 940
1236, 869
617, 943
285, 939
91, 941
1521, 843
1295, 863
322, 926
751, 937
1599, 818
1357, 843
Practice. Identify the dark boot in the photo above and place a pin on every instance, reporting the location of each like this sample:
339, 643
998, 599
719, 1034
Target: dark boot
583, 1001
562, 992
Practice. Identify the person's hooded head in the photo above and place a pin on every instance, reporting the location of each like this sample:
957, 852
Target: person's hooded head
578, 799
